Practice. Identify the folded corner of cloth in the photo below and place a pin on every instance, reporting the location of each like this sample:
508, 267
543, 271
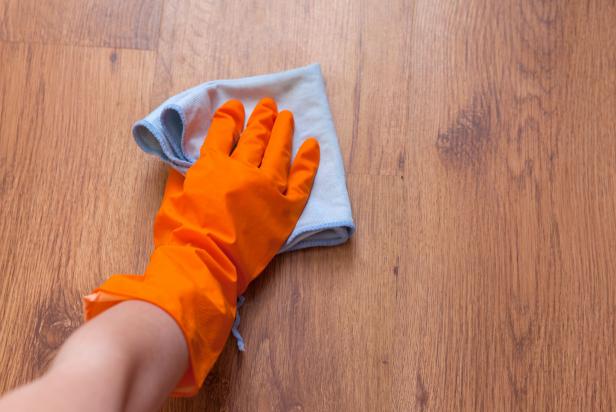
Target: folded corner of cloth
175, 130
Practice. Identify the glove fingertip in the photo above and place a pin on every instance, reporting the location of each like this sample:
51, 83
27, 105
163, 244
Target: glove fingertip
304, 169
235, 110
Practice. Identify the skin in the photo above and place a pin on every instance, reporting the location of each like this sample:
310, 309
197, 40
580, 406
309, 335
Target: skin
140, 354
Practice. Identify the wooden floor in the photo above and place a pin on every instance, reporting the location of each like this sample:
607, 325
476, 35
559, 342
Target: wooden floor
479, 138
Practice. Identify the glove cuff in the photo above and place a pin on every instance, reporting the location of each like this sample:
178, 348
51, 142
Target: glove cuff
198, 294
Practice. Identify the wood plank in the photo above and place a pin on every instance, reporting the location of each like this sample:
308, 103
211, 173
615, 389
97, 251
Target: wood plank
382, 131
512, 179
77, 196
107, 23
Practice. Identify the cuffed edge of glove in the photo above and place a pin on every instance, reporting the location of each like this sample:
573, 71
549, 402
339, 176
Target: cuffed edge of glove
202, 354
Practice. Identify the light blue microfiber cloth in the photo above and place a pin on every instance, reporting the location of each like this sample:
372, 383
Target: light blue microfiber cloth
175, 130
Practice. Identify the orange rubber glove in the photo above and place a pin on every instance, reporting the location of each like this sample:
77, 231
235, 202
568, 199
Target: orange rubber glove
218, 228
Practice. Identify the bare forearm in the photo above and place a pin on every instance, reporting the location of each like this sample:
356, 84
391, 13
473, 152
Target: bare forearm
128, 358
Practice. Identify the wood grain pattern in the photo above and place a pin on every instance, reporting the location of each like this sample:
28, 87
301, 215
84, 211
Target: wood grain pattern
109, 23
480, 140
510, 243
69, 170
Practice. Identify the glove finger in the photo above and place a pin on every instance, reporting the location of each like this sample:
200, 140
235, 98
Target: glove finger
225, 128
303, 171
164, 222
174, 185
277, 157
254, 140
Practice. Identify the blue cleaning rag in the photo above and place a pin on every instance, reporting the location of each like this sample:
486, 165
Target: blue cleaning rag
175, 130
